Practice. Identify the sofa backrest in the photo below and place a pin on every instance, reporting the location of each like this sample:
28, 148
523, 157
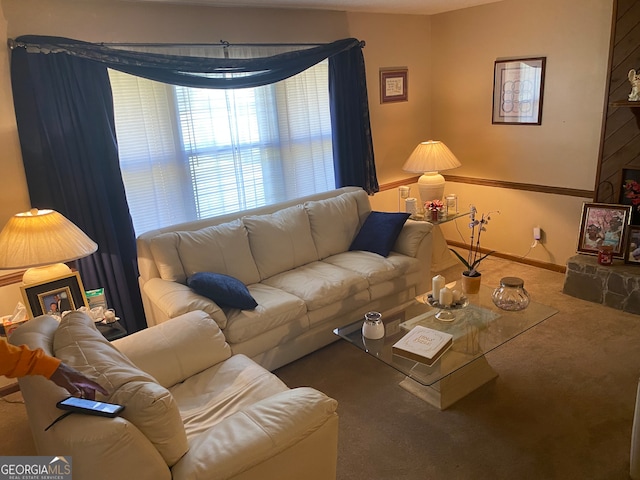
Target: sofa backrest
176, 252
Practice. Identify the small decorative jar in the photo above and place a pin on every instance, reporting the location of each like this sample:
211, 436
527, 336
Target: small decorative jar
451, 204
605, 255
373, 328
511, 295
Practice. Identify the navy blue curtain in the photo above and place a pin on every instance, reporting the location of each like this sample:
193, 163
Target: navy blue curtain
64, 111
352, 147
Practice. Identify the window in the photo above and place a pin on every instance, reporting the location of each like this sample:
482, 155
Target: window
188, 153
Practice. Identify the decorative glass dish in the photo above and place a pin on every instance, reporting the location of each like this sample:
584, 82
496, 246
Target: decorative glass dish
445, 312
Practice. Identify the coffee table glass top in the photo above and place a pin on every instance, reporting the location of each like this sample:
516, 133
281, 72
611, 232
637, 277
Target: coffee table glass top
477, 329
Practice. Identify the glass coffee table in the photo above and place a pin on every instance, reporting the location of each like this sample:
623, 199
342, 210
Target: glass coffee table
477, 329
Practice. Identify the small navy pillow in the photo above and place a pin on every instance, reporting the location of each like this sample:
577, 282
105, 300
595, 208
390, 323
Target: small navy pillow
226, 291
379, 232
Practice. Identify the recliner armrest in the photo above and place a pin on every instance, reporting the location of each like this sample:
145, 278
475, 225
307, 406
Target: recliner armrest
171, 299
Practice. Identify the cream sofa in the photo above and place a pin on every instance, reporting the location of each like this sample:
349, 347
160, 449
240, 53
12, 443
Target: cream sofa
192, 410
294, 258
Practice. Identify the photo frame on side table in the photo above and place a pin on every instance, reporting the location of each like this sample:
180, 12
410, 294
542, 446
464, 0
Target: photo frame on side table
604, 224
518, 87
66, 292
394, 85
632, 252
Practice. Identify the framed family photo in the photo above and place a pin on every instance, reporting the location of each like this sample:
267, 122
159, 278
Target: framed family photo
54, 296
632, 253
604, 224
518, 87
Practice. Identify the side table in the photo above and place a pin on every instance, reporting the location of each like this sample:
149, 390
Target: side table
112, 331
441, 256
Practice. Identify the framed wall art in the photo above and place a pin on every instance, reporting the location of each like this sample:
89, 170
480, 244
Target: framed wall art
630, 192
394, 85
632, 252
54, 296
604, 224
518, 87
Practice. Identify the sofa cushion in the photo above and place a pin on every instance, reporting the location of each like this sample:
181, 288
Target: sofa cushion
319, 283
148, 405
222, 249
225, 290
334, 223
280, 241
368, 265
379, 232
214, 394
275, 308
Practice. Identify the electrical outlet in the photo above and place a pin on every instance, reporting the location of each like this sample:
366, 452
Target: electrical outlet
536, 233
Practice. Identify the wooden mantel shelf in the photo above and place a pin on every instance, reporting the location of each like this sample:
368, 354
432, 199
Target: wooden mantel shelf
633, 105
624, 103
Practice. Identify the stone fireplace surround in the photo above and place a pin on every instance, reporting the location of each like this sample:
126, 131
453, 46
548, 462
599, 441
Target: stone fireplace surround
616, 286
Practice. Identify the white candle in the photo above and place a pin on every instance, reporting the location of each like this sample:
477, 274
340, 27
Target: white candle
437, 284
446, 297
457, 295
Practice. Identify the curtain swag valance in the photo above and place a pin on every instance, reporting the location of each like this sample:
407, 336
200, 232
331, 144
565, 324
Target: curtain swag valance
190, 71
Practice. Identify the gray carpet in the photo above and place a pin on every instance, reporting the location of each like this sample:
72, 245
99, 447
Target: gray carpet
561, 408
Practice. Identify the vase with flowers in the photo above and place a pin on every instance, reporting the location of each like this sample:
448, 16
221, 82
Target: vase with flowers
433, 207
471, 277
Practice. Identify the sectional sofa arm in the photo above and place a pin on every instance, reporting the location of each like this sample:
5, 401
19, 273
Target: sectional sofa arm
176, 349
171, 299
412, 238
261, 431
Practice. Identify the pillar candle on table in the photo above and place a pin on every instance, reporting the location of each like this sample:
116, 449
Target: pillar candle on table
437, 284
446, 297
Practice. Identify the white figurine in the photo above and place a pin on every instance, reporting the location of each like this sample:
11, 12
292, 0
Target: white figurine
634, 80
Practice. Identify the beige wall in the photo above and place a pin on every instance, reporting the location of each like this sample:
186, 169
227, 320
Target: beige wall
574, 36
562, 152
396, 41
450, 60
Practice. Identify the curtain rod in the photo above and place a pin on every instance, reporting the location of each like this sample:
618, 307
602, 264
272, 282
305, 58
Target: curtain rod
223, 43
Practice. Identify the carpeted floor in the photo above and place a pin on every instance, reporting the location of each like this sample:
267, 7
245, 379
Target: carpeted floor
561, 408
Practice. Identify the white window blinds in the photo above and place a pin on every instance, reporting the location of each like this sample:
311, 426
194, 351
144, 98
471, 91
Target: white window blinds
189, 153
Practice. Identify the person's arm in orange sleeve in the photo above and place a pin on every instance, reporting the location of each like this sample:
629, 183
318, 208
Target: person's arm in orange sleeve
21, 361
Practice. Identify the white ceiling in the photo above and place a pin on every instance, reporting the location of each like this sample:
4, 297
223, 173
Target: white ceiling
419, 7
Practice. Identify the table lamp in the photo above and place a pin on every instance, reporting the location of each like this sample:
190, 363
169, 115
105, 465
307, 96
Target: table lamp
429, 158
41, 241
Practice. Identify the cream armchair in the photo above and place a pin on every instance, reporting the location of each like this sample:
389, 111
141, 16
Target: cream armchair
192, 410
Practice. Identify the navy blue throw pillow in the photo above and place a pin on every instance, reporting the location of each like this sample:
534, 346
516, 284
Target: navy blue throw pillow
379, 232
226, 291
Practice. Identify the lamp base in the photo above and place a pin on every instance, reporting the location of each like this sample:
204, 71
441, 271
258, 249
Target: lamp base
42, 274
431, 186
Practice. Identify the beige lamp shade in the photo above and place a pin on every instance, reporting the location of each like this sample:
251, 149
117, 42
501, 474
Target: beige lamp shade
429, 158
40, 238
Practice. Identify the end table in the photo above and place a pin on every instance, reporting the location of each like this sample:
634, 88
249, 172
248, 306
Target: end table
112, 331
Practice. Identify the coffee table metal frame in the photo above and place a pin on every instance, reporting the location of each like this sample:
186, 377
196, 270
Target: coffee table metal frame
477, 329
